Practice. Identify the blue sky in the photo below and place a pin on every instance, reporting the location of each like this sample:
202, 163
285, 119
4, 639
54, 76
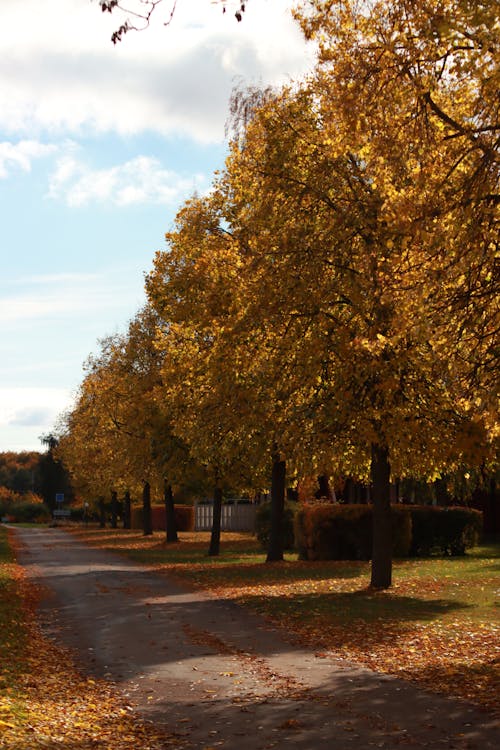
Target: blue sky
99, 146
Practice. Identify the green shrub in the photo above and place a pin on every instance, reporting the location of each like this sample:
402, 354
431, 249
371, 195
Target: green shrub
263, 524
448, 531
28, 512
344, 532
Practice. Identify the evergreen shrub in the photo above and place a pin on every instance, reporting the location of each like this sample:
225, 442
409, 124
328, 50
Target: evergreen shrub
344, 532
26, 512
444, 530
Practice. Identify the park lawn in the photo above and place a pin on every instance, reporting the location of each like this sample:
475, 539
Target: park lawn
45, 702
439, 624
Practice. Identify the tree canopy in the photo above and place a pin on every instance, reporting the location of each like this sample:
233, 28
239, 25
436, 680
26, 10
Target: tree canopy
333, 301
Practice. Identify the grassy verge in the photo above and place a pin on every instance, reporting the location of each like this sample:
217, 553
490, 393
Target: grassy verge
439, 625
45, 701
13, 639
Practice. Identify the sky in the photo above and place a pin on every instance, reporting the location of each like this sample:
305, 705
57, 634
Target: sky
99, 147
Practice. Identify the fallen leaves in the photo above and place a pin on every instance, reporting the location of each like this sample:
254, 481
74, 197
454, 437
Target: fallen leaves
437, 626
47, 703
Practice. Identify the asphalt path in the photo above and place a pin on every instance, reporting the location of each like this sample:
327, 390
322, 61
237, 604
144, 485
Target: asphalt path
218, 676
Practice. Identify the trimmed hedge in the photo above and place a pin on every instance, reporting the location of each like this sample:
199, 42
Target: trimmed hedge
448, 531
263, 524
184, 517
344, 532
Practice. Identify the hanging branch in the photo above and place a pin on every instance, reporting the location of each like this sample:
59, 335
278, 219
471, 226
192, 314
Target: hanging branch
141, 20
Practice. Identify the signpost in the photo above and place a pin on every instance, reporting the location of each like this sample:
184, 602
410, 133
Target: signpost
59, 512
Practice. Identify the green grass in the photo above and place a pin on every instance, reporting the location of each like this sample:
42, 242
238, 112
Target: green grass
424, 588
439, 624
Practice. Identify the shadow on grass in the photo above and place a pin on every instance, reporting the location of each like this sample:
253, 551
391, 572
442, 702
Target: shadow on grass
377, 612
241, 573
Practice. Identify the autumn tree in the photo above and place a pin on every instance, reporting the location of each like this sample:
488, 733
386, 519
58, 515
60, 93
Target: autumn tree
20, 472
194, 289
54, 478
412, 89
311, 302
117, 438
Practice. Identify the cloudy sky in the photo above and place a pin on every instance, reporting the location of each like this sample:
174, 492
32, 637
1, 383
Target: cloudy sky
99, 146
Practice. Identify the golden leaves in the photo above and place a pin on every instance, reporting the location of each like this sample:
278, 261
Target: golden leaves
438, 626
50, 704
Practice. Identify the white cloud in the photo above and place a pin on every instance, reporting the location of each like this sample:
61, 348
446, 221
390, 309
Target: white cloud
21, 155
62, 296
54, 278
32, 406
59, 72
28, 413
140, 180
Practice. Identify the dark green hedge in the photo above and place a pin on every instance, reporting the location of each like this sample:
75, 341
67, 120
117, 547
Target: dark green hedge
25, 512
448, 531
263, 524
344, 532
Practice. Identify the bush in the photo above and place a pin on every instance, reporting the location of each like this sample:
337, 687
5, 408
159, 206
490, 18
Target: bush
344, 532
263, 525
184, 517
28, 512
448, 531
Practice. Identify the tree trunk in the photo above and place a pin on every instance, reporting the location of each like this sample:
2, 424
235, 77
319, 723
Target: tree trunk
324, 490
147, 523
214, 548
102, 513
126, 511
114, 510
278, 481
382, 527
169, 513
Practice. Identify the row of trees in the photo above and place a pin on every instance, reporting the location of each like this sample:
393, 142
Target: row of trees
331, 307
32, 475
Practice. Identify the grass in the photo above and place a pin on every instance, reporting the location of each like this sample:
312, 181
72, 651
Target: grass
438, 625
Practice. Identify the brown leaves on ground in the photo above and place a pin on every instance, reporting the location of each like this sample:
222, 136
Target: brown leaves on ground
431, 627
47, 703
437, 644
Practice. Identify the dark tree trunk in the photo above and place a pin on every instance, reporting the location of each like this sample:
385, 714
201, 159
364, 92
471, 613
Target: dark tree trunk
169, 513
441, 492
114, 510
147, 522
102, 513
214, 548
324, 489
126, 511
382, 526
278, 481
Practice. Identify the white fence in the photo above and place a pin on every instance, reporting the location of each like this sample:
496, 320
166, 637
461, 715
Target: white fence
234, 517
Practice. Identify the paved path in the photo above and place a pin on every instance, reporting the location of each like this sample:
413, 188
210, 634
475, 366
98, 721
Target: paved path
220, 677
